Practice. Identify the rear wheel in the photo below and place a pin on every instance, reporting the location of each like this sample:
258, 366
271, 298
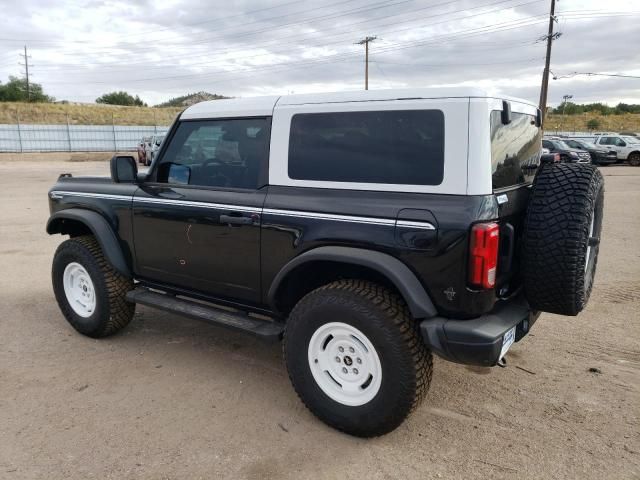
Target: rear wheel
355, 357
91, 295
562, 237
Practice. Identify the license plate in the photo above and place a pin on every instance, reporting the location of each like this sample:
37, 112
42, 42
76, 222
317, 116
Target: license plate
507, 341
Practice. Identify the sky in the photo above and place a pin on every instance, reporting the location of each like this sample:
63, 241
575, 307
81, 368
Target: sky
80, 49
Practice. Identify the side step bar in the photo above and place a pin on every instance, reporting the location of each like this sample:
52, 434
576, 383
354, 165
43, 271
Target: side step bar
266, 330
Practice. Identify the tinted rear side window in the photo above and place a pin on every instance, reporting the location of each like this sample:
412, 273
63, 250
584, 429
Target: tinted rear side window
515, 149
391, 147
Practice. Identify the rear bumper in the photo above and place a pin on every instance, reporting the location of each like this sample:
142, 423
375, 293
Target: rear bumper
478, 341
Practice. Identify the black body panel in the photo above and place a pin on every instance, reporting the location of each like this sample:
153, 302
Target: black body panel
99, 194
440, 267
203, 239
230, 245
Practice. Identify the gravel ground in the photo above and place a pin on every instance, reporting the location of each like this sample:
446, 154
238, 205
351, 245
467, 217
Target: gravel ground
174, 398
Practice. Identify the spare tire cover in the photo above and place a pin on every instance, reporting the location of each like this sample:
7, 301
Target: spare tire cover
561, 237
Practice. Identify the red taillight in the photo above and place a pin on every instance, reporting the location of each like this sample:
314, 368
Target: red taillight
483, 258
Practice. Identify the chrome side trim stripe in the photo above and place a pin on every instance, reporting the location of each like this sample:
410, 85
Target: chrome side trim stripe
59, 194
410, 224
187, 203
388, 222
330, 216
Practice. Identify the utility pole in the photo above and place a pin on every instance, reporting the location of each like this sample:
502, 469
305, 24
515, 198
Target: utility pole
545, 74
565, 98
26, 68
365, 41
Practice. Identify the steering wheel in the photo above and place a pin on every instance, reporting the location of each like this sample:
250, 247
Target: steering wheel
218, 179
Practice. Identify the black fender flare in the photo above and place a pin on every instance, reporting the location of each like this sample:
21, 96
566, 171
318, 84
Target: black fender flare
398, 273
100, 228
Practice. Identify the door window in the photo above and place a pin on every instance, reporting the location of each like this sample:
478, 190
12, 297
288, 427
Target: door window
515, 149
392, 147
216, 153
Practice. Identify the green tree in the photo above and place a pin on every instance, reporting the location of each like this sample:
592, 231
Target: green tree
121, 98
593, 124
15, 90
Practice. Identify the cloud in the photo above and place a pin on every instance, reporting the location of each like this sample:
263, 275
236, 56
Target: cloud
83, 48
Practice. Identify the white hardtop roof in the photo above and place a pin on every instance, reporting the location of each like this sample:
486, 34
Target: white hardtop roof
263, 106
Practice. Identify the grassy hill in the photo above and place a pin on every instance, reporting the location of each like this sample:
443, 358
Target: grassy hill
611, 123
79, 114
87, 114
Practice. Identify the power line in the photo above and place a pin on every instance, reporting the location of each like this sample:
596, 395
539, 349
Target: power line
484, 30
337, 42
592, 74
324, 17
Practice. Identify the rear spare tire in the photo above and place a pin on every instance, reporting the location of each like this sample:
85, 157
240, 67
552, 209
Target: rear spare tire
562, 237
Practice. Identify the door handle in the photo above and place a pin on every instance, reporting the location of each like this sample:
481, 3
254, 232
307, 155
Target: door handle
232, 220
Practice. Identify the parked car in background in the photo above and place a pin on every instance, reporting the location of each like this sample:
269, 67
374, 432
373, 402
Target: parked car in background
153, 146
626, 147
599, 155
567, 153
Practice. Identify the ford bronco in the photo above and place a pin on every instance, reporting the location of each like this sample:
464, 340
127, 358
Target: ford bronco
366, 230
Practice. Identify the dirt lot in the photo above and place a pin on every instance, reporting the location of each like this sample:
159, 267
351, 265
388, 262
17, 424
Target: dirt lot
173, 398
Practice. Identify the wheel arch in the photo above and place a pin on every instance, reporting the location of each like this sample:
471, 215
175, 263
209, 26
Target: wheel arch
77, 221
322, 265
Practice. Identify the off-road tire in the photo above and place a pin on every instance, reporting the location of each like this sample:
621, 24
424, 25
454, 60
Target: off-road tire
564, 199
112, 312
634, 159
383, 317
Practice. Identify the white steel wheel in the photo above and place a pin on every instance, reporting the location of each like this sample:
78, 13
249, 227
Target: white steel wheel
79, 289
344, 363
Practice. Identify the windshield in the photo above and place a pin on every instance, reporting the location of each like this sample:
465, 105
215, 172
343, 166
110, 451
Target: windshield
631, 139
561, 144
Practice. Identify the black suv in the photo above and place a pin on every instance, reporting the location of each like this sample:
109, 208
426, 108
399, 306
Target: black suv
367, 230
599, 155
567, 153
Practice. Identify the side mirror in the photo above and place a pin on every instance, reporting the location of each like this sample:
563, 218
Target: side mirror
124, 169
506, 113
179, 174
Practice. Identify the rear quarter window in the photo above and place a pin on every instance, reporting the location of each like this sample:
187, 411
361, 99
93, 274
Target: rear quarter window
384, 147
515, 149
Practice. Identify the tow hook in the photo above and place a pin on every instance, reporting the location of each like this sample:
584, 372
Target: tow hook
503, 362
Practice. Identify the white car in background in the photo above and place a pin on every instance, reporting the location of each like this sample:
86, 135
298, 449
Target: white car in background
625, 146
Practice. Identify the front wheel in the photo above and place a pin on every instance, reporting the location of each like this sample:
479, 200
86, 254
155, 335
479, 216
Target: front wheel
356, 358
634, 159
90, 293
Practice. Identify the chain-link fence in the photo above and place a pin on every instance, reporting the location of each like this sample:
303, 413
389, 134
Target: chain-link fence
34, 129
